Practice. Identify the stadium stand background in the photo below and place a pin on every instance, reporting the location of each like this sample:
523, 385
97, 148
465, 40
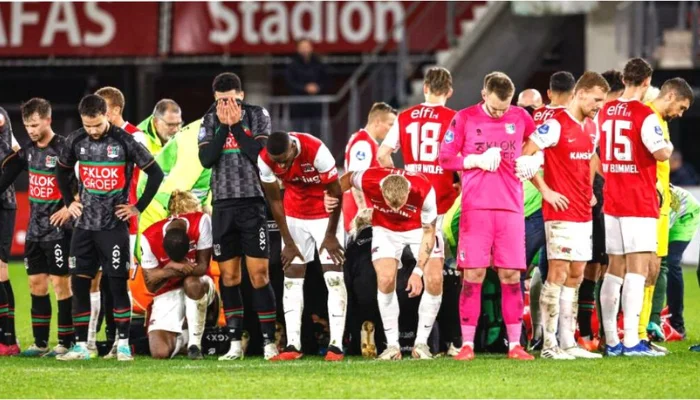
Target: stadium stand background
374, 51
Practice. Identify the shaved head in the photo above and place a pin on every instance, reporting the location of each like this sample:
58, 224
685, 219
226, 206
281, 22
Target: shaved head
530, 98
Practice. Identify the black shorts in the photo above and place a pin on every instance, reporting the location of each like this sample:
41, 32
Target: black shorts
7, 231
50, 257
240, 229
91, 250
599, 253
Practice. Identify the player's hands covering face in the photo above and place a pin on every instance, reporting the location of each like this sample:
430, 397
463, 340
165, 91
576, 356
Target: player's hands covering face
228, 111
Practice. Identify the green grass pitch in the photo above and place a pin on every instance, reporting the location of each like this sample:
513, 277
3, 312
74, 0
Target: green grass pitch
673, 376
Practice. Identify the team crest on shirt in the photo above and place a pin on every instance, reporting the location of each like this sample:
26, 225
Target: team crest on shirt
360, 155
50, 161
510, 129
202, 133
112, 151
543, 129
449, 136
658, 130
306, 167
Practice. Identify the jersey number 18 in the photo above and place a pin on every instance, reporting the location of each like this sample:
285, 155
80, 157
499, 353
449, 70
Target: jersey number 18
424, 140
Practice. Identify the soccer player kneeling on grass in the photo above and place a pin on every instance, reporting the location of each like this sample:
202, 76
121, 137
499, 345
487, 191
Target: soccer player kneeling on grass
307, 168
175, 258
568, 141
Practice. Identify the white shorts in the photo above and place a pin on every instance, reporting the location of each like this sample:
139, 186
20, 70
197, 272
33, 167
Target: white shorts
624, 235
168, 309
390, 244
569, 241
308, 234
447, 254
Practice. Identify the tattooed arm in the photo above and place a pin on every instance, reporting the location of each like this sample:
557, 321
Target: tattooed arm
426, 244
429, 221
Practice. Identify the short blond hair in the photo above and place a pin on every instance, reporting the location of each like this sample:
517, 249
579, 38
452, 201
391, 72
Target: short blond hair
380, 109
395, 189
362, 220
183, 202
113, 96
591, 80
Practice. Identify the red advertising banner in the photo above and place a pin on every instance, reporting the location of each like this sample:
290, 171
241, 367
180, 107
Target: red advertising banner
275, 26
78, 29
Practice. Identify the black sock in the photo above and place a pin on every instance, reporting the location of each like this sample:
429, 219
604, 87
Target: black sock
233, 309
10, 338
107, 309
122, 306
596, 295
41, 319
586, 305
265, 305
140, 346
4, 313
81, 306
66, 333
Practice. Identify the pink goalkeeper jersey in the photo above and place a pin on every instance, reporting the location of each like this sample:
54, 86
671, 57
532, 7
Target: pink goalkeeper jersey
473, 131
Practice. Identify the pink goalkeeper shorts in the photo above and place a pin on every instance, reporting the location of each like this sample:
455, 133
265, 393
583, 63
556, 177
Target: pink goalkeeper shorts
486, 235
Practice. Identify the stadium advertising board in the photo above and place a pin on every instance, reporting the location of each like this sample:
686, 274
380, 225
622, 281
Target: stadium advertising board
78, 29
275, 26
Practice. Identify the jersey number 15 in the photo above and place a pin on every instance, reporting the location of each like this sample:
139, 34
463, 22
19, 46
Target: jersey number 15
424, 140
614, 136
